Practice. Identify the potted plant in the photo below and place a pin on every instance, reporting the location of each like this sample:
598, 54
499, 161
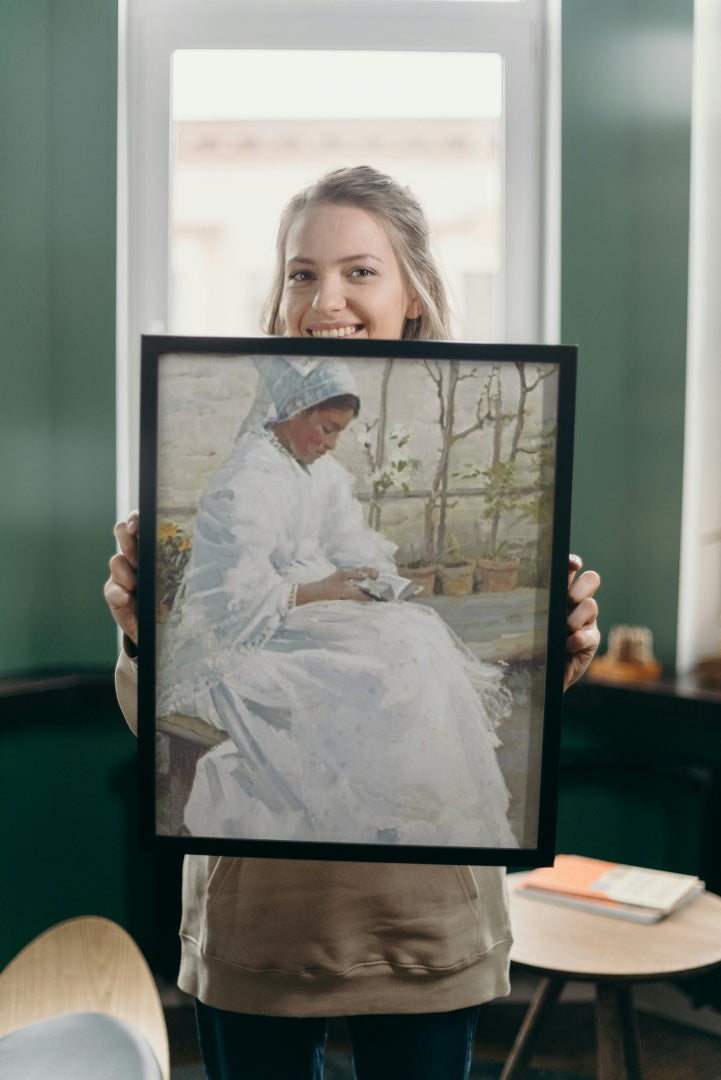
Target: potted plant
497, 572
504, 492
422, 571
498, 567
456, 572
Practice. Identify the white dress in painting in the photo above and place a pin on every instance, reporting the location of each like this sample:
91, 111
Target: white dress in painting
354, 722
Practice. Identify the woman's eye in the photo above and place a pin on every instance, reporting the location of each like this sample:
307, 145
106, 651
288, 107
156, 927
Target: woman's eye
362, 272
300, 276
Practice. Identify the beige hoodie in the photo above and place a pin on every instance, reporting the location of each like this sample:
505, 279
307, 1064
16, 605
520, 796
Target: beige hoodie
284, 937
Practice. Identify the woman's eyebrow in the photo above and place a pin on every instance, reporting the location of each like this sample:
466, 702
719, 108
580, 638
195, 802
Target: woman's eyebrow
361, 257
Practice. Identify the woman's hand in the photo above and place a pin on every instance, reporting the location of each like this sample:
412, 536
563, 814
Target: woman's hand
121, 587
583, 635
337, 586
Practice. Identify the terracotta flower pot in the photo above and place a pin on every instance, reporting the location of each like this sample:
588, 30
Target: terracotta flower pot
457, 578
498, 575
423, 575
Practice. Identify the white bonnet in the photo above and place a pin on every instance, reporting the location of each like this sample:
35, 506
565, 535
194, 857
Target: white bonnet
296, 383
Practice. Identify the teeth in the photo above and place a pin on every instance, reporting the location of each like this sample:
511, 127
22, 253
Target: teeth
336, 332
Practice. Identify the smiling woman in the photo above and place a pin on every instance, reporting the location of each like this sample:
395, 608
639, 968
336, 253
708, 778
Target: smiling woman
353, 259
332, 292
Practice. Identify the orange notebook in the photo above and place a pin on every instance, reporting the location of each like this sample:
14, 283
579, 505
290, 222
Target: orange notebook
631, 892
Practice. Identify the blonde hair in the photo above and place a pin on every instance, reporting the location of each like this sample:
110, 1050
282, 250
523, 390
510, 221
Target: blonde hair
403, 217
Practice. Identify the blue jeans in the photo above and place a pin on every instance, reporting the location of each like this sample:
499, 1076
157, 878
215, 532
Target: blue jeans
415, 1046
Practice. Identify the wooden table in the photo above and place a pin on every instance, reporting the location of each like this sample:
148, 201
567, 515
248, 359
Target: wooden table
563, 944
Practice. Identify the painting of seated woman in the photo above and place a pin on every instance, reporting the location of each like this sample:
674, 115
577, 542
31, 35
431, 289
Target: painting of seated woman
332, 619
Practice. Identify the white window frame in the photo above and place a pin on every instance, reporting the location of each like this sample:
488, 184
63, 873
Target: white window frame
525, 34
699, 597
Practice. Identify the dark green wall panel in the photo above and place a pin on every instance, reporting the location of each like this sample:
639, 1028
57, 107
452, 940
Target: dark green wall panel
82, 205
626, 145
58, 77
25, 400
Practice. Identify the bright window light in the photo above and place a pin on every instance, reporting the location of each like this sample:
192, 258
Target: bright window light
221, 84
239, 155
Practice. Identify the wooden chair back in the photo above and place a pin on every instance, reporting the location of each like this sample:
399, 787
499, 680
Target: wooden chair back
87, 964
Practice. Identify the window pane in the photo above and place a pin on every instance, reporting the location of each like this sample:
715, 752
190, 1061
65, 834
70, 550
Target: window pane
252, 127
453, 1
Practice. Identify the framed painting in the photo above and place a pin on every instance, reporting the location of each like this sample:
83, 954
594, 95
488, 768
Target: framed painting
352, 597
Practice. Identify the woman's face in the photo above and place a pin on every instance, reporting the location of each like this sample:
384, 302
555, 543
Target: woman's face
312, 433
342, 277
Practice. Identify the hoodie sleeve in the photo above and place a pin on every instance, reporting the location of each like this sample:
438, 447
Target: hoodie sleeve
126, 688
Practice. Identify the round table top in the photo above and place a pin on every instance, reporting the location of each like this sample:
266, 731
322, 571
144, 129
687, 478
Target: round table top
559, 940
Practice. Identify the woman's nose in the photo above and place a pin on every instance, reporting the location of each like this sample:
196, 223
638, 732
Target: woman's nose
329, 439
329, 295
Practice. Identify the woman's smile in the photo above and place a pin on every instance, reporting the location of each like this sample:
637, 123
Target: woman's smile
334, 331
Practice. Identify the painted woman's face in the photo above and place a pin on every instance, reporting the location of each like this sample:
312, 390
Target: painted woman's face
312, 433
342, 277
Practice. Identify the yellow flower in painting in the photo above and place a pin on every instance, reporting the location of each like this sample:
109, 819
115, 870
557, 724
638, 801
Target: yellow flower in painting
172, 552
168, 531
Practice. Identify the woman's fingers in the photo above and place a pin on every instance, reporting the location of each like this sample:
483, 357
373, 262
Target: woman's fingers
123, 607
126, 534
581, 604
575, 563
357, 573
120, 588
123, 573
582, 633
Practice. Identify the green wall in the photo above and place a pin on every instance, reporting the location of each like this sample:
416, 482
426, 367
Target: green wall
58, 73
625, 199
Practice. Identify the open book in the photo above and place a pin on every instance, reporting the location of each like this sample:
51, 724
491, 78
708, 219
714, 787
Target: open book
616, 889
389, 587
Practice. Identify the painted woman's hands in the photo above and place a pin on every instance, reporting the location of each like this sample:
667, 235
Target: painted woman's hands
583, 635
582, 639
121, 587
337, 586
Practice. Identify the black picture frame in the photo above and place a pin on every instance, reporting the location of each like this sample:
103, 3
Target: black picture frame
457, 445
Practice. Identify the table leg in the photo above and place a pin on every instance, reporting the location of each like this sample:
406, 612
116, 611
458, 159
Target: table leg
617, 1033
545, 997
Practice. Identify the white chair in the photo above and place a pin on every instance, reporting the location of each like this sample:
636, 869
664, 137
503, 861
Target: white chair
80, 1002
